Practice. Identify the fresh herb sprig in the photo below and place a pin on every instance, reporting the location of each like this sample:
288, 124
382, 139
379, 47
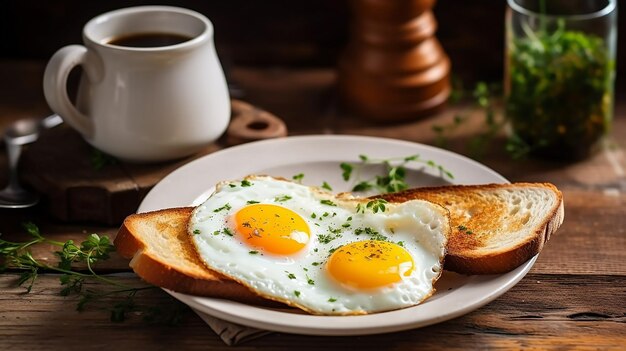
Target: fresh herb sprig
485, 99
394, 178
17, 256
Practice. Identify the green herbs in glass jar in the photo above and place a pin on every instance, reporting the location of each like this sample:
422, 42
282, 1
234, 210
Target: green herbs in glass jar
559, 88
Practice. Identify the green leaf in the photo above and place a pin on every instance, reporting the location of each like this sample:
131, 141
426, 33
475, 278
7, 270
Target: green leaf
362, 186
377, 205
32, 229
31, 276
282, 198
298, 177
327, 202
347, 170
226, 207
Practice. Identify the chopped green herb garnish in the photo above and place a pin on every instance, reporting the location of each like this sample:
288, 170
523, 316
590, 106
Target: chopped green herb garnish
346, 225
290, 275
227, 232
232, 185
328, 202
347, 170
463, 228
282, 198
298, 177
334, 230
251, 202
327, 186
333, 249
310, 281
377, 205
315, 264
297, 293
332, 299
374, 235
253, 252
400, 243
225, 207
246, 182
313, 215
196, 231
363, 186
326, 238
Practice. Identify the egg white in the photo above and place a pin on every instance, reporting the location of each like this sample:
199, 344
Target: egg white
301, 279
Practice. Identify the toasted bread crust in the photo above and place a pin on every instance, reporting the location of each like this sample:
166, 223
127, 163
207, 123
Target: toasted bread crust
466, 254
156, 271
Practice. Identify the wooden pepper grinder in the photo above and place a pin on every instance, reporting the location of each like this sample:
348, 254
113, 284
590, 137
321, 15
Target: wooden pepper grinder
394, 68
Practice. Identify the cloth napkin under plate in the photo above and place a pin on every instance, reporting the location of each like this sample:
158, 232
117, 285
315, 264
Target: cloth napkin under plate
231, 333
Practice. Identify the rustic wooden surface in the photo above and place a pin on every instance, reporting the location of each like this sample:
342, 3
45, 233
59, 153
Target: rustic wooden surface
573, 298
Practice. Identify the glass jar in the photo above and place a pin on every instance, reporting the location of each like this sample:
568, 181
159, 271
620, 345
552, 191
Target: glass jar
559, 75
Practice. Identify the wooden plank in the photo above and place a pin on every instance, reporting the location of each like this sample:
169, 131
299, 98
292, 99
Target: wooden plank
542, 312
592, 238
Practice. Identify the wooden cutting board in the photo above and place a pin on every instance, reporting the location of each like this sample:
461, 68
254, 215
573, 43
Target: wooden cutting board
80, 184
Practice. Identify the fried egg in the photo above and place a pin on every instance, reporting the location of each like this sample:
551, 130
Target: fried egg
325, 254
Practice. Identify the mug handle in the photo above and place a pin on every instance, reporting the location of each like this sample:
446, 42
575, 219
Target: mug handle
55, 86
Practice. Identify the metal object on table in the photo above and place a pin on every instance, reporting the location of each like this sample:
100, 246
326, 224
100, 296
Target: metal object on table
20, 133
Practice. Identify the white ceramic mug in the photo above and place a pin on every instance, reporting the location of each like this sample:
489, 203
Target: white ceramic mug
137, 103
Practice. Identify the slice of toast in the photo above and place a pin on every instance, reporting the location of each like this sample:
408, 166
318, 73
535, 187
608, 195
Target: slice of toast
495, 227
162, 254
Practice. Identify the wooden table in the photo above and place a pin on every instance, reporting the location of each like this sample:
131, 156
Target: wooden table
574, 296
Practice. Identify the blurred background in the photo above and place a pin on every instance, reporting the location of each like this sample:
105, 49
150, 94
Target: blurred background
277, 33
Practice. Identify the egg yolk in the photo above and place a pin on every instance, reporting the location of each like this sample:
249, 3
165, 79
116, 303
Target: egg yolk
271, 228
370, 264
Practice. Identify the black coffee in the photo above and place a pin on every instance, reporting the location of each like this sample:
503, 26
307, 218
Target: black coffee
148, 40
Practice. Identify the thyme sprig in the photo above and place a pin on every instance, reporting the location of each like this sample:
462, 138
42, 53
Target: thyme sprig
394, 178
17, 256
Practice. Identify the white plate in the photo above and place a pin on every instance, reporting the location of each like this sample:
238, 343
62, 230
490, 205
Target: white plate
318, 157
